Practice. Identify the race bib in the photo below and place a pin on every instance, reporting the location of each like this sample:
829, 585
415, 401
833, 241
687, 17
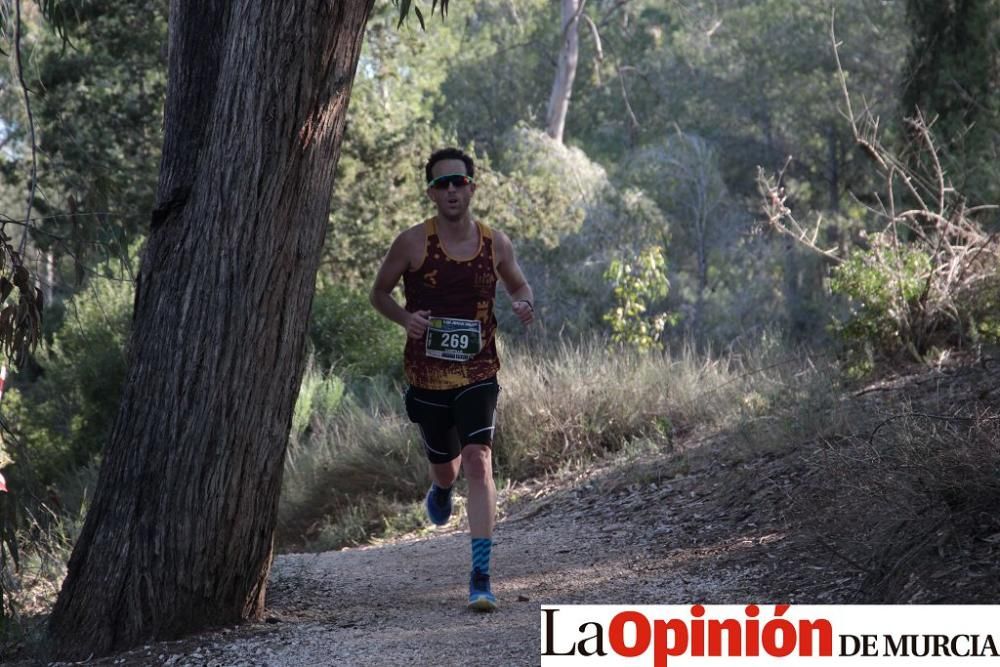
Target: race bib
453, 339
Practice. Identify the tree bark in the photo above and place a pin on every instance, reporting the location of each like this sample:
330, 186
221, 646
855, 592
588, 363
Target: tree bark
179, 534
562, 87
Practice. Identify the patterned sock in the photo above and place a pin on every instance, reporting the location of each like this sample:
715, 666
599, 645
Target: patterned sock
481, 554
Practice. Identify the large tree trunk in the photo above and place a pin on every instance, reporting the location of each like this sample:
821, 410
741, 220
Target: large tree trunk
179, 534
562, 86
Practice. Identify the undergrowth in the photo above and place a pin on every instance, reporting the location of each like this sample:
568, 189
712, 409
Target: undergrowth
359, 471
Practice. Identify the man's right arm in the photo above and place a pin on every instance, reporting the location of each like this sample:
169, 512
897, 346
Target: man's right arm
396, 261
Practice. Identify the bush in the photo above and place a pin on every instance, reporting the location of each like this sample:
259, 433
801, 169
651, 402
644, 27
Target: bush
319, 395
984, 311
567, 221
882, 288
347, 333
918, 298
926, 275
636, 285
64, 416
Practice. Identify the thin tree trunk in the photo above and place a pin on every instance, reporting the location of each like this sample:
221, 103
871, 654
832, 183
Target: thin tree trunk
49, 286
834, 169
179, 535
793, 292
562, 87
702, 240
79, 242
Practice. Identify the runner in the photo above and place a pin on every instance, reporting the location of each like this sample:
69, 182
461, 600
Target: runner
450, 265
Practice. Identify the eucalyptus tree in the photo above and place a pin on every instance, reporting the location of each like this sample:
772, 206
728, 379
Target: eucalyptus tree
179, 533
571, 12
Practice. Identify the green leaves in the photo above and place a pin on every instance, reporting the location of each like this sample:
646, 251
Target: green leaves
637, 284
404, 11
63, 417
349, 335
20, 317
98, 114
60, 15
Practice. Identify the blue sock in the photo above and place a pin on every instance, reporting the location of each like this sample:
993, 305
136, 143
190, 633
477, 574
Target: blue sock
440, 491
481, 547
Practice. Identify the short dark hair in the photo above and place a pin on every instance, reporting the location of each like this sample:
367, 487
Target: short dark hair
449, 154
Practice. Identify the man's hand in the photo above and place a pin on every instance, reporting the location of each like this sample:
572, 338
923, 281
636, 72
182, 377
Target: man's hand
417, 323
524, 310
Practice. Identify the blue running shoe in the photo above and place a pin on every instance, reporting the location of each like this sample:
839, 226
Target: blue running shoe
438, 503
480, 596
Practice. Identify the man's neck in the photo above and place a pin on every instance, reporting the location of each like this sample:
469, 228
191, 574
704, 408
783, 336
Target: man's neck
458, 229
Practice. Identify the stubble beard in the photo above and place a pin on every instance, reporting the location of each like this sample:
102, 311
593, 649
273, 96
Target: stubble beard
461, 215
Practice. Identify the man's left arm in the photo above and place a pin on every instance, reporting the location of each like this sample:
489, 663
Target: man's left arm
521, 296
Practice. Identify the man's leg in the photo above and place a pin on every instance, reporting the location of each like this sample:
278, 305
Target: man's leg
481, 509
482, 503
445, 474
475, 418
443, 452
474, 410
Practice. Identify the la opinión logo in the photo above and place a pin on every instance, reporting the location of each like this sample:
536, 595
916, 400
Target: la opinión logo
632, 633
834, 635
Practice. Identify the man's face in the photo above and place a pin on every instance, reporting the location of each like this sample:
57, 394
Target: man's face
453, 200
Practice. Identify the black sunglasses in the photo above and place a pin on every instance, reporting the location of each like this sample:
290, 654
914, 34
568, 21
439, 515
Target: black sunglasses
442, 182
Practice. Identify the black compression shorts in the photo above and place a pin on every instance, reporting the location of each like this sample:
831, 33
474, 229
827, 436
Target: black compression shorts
449, 419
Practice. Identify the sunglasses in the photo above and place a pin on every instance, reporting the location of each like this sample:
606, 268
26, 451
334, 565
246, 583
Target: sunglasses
442, 182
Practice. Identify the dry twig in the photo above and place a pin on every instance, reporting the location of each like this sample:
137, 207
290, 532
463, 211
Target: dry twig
926, 219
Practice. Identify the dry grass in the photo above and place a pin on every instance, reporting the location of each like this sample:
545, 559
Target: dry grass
563, 405
915, 498
46, 543
895, 486
358, 462
577, 401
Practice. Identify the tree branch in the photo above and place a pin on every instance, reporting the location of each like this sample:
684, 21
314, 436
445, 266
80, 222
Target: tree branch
19, 66
634, 122
597, 37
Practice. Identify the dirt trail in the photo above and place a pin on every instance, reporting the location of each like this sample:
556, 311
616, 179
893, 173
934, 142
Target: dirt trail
635, 533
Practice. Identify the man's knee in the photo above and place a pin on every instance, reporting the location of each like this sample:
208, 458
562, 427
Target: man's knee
476, 460
445, 474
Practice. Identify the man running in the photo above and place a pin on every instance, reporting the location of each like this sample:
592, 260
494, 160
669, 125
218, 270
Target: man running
450, 265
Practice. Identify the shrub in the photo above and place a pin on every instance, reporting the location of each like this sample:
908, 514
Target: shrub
917, 280
567, 222
350, 335
883, 287
636, 285
64, 416
319, 395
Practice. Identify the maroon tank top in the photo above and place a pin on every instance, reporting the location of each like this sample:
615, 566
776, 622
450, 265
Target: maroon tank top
454, 288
